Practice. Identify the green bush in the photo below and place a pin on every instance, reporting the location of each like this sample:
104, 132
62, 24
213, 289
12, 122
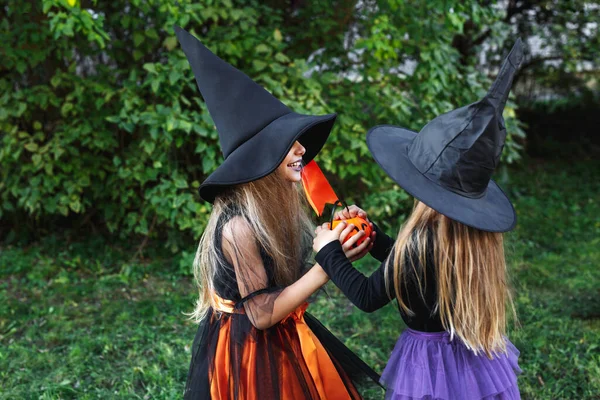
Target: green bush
102, 124
106, 116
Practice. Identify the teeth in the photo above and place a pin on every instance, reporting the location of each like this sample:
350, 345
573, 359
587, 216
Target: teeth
294, 165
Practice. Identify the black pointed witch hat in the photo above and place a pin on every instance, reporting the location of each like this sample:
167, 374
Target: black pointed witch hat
448, 165
255, 129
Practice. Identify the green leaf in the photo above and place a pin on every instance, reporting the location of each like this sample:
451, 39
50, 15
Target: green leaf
138, 38
170, 123
55, 81
151, 33
21, 67
75, 205
31, 146
207, 164
185, 126
66, 108
37, 159
149, 147
181, 184
21, 107
150, 67
263, 48
174, 76
259, 65
170, 42
155, 84
282, 58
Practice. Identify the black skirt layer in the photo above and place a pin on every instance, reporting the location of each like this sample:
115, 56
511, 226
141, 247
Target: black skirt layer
231, 359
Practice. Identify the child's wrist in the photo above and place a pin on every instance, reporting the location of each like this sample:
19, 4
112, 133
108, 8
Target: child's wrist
322, 275
325, 250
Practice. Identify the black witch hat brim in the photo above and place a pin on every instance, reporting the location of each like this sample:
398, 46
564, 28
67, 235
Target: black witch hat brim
492, 212
256, 130
266, 150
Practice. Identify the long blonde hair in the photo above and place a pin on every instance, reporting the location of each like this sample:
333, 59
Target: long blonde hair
471, 276
276, 212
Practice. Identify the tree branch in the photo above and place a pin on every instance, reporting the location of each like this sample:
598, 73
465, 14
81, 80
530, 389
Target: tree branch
140, 250
537, 60
464, 44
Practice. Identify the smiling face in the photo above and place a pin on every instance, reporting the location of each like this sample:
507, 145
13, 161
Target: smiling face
291, 166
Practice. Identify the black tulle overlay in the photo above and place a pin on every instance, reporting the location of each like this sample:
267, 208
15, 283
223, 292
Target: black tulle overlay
296, 358
234, 360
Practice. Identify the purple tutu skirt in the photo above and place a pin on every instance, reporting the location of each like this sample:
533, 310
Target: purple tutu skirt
429, 366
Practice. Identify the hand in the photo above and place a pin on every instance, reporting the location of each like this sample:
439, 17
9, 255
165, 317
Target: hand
324, 235
358, 252
350, 212
352, 253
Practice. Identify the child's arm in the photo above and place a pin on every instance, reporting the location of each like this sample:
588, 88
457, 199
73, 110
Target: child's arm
382, 247
266, 306
382, 243
368, 294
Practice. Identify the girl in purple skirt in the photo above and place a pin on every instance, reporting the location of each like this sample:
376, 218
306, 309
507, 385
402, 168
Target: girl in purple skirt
446, 268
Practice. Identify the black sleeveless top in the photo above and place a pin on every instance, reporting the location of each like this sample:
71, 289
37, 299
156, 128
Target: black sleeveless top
225, 282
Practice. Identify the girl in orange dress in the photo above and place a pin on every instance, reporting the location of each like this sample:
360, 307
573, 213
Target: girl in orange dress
255, 340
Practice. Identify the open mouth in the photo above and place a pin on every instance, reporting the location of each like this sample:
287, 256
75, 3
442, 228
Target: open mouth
296, 165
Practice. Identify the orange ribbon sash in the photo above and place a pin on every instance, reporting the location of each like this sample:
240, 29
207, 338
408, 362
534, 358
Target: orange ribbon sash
323, 374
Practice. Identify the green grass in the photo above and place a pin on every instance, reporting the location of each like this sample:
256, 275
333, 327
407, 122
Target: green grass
81, 320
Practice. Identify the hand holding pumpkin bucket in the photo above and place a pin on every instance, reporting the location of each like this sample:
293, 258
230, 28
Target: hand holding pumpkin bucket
319, 193
360, 224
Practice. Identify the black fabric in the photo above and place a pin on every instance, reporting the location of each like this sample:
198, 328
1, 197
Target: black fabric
197, 384
246, 275
226, 281
346, 361
273, 346
238, 106
449, 164
255, 129
383, 244
370, 294
263, 153
492, 212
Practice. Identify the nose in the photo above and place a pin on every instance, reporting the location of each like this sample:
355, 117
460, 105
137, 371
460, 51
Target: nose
299, 149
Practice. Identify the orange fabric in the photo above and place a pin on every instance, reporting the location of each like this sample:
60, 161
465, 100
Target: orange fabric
325, 375
318, 190
327, 382
220, 385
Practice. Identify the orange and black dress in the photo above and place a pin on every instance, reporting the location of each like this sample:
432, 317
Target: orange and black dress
297, 358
